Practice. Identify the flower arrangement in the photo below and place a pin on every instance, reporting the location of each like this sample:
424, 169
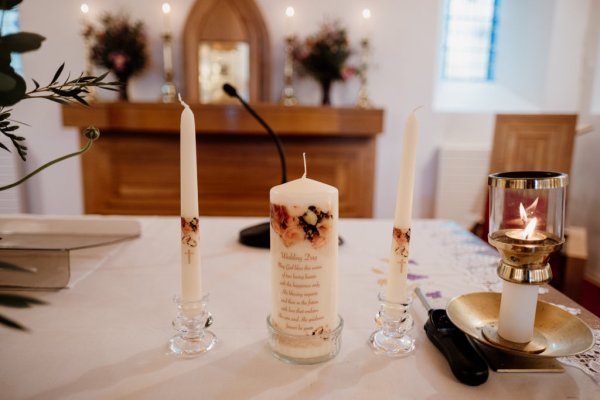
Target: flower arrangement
323, 56
119, 46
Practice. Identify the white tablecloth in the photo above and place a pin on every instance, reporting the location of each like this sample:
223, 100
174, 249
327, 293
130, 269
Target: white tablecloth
106, 337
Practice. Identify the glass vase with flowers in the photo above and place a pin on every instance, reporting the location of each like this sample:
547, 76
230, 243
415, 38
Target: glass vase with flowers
324, 57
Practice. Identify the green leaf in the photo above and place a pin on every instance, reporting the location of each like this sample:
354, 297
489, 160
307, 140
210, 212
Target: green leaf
10, 94
81, 100
57, 100
58, 72
3, 146
10, 128
21, 42
7, 82
37, 85
12, 324
18, 301
5, 115
8, 4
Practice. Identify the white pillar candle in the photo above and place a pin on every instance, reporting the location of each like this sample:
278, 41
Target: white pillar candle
397, 278
191, 277
517, 312
304, 259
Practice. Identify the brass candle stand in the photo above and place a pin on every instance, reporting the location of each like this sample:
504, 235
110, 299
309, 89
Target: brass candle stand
288, 96
363, 100
513, 328
168, 89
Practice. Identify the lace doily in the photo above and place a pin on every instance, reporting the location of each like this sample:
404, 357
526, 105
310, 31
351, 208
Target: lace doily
588, 362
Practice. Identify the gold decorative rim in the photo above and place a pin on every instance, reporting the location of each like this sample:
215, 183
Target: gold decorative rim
528, 180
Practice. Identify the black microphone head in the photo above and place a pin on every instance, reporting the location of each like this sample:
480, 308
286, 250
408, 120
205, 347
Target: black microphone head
230, 90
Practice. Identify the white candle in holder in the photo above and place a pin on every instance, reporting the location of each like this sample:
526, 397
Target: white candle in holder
517, 311
398, 274
304, 258
191, 276
519, 301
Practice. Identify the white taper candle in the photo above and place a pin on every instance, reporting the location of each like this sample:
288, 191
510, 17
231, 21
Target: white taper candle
397, 278
191, 276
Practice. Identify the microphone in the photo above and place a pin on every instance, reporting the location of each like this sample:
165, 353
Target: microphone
259, 235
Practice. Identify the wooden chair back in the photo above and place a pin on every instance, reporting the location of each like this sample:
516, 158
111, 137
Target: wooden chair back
541, 142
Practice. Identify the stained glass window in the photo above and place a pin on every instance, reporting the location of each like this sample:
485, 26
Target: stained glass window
469, 39
10, 24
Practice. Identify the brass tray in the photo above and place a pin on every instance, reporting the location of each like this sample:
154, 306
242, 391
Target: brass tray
565, 334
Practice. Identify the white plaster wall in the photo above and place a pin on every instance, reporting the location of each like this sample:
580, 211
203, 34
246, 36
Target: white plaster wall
523, 46
563, 80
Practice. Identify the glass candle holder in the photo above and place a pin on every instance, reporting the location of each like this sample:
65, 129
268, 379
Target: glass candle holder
394, 323
192, 338
526, 226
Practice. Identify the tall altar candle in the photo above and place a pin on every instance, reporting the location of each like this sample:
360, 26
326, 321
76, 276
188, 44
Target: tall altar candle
166, 9
191, 276
397, 278
304, 262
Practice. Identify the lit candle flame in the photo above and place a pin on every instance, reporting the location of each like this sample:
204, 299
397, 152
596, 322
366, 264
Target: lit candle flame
166, 8
84, 8
523, 214
290, 11
529, 229
533, 205
366, 13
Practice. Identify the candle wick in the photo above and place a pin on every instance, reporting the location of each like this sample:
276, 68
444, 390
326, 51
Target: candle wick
183, 103
304, 157
418, 108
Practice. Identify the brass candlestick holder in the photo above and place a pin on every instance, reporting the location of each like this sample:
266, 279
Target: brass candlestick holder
526, 226
363, 100
168, 89
288, 97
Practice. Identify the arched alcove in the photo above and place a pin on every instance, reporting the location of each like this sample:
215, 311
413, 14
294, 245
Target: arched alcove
223, 40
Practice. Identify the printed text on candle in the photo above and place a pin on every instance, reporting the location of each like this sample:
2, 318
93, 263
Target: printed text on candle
299, 292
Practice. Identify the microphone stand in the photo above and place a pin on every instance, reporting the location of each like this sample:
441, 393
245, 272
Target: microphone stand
259, 235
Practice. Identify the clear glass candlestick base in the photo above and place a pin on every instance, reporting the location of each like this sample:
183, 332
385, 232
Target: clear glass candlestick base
394, 322
191, 322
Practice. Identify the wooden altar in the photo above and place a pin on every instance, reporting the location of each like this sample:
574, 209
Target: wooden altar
134, 167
